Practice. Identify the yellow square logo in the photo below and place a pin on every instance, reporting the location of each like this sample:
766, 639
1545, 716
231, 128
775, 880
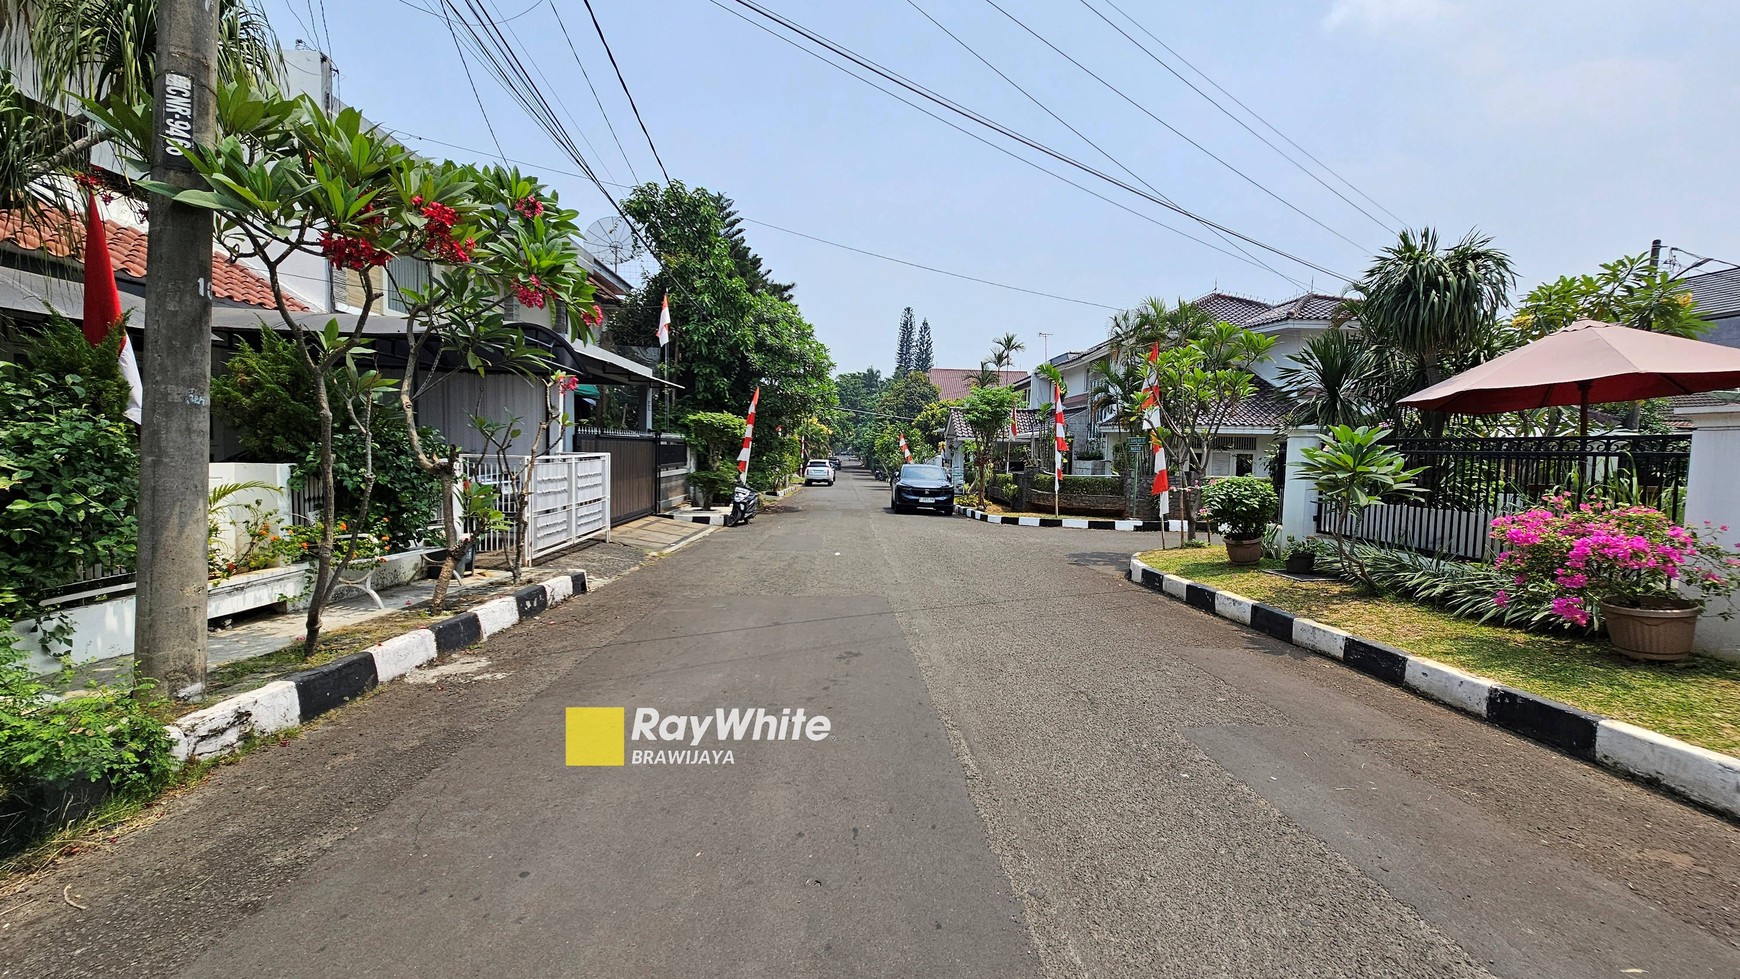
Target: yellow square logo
596, 735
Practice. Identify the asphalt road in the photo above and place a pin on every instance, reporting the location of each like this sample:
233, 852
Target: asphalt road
1035, 769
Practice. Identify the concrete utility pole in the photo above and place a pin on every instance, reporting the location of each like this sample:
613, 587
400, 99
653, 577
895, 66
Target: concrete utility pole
174, 445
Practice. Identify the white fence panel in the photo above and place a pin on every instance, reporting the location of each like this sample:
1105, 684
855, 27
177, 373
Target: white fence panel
569, 499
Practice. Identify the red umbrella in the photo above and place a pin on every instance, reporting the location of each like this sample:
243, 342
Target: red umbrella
1588, 362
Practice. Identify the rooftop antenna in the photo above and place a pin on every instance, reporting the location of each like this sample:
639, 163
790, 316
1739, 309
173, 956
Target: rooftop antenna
612, 239
1045, 346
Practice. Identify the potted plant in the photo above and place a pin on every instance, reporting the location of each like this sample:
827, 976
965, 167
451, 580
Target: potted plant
1628, 567
1241, 506
1300, 555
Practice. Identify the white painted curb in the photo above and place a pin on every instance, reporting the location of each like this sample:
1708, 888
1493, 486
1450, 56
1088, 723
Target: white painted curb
401, 654
220, 728
1698, 773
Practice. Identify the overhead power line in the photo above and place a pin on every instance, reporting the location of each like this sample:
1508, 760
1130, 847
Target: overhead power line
1254, 113
1229, 114
1024, 140
581, 63
624, 83
928, 268
542, 168
1247, 178
897, 96
1081, 135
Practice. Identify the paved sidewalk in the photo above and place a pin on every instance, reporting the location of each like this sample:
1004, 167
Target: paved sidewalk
261, 633
657, 534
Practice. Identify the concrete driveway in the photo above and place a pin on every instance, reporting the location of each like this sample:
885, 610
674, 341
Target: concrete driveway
1035, 769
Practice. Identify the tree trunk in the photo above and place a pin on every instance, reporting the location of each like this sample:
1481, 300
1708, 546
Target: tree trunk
323, 569
450, 519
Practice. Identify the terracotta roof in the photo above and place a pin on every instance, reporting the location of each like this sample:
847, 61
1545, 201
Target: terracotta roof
953, 384
1028, 422
59, 234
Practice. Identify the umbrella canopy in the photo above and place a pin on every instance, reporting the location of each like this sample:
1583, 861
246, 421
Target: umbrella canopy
1588, 362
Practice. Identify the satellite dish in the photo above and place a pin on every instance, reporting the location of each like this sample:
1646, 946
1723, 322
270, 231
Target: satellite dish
612, 239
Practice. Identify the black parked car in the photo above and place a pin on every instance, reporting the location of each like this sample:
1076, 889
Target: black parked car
927, 486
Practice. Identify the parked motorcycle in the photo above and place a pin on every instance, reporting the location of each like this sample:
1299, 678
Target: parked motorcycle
745, 504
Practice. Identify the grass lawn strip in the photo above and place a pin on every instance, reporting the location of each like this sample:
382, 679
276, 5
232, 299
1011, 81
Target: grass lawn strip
1697, 701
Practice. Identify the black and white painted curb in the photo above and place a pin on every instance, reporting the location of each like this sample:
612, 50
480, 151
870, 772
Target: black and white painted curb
714, 519
1707, 777
1079, 523
300, 697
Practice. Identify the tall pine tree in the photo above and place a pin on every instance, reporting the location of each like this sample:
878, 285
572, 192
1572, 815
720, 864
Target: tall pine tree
903, 352
923, 356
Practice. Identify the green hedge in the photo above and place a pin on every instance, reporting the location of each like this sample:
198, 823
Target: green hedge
1082, 485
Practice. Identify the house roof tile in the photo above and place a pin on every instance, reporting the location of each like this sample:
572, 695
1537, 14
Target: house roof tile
1028, 422
953, 383
1716, 294
62, 236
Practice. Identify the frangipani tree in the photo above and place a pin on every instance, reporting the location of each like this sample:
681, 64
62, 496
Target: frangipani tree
286, 179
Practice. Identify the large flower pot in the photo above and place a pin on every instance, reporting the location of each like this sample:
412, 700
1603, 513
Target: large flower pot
1246, 551
1301, 563
1656, 635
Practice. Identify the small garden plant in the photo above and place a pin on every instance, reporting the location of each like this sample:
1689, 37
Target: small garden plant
1241, 506
1575, 557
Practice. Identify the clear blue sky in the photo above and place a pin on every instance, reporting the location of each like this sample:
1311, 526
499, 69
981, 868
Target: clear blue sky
1571, 130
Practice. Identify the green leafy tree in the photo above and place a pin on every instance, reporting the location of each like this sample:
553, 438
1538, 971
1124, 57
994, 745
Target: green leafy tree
286, 178
906, 396
1201, 384
1628, 291
931, 426
266, 393
749, 265
986, 413
730, 337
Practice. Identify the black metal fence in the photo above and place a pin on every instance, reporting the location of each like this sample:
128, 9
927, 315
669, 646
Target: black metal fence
1469, 482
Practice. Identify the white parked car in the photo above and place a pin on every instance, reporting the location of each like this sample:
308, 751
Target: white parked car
818, 471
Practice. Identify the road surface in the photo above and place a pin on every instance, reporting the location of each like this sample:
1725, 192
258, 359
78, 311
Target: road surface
1034, 769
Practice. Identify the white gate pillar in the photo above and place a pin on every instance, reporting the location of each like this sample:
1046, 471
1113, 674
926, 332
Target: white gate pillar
1713, 494
1298, 495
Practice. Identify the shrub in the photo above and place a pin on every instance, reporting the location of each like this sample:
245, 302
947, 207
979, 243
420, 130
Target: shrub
101, 742
69, 482
267, 394
1241, 505
1082, 485
1574, 557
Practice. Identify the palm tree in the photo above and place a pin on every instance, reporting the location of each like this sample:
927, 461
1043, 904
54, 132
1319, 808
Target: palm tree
985, 377
1430, 303
1153, 322
1003, 353
105, 51
1331, 381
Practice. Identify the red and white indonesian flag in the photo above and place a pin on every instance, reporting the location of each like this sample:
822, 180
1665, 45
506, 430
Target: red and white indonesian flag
904, 450
103, 306
748, 437
1058, 434
1151, 418
665, 321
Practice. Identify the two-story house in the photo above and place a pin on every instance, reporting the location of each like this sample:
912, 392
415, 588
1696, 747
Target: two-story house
1246, 442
